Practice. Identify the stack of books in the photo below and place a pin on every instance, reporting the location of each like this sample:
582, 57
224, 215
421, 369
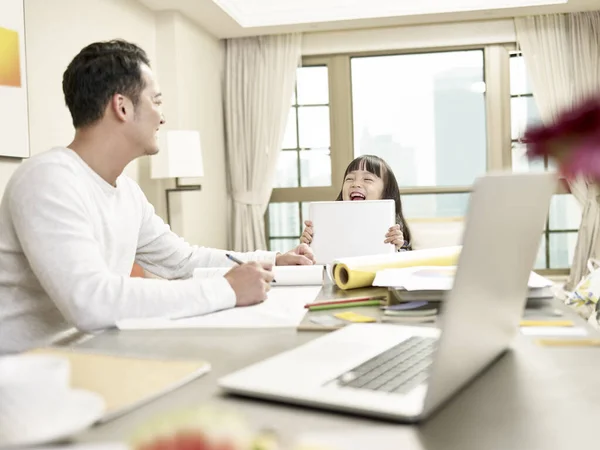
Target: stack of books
411, 312
399, 295
431, 284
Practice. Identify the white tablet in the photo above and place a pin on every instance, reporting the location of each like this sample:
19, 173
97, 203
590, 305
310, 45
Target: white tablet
351, 228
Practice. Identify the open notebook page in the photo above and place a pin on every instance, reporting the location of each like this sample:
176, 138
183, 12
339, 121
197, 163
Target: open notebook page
284, 307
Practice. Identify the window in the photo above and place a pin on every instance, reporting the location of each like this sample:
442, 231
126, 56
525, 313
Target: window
524, 113
561, 235
430, 206
285, 223
305, 159
557, 245
424, 114
426, 117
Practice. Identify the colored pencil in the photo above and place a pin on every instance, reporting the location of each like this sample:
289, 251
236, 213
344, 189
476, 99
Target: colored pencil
344, 300
345, 305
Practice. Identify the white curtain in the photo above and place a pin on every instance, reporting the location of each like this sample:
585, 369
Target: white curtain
260, 74
562, 55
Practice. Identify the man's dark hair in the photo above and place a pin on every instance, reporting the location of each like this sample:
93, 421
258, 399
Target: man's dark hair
98, 72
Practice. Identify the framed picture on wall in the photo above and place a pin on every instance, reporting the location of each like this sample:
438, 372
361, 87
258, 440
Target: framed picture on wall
14, 120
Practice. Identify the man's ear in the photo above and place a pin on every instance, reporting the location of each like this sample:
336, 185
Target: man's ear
121, 107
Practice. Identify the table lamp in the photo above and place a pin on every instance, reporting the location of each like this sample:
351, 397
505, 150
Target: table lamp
179, 156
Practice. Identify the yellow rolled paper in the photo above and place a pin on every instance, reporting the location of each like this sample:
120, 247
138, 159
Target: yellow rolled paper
360, 271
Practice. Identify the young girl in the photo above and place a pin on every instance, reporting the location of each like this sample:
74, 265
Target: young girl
369, 177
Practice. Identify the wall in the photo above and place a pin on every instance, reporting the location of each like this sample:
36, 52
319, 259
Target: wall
52, 40
7, 168
409, 37
55, 31
190, 71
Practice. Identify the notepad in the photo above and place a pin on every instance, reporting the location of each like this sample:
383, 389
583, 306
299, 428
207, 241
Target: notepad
326, 321
126, 382
284, 275
546, 323
553, 331
549, 342
355, 317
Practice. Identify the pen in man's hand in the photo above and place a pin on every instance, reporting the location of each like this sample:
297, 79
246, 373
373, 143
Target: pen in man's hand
237, 261
234, 259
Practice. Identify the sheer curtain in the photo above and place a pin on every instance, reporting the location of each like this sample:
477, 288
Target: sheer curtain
260, 74
562, 55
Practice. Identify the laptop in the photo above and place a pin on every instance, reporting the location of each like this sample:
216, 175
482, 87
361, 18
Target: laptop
357, 228
405, 373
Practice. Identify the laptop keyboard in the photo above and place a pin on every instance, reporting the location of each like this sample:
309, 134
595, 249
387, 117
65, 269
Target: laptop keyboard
398, 370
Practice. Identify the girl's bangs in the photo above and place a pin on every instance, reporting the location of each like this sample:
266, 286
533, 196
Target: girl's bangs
367, 163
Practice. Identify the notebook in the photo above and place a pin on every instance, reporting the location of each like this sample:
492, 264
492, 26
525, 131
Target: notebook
126, 382
346, 229
325, 321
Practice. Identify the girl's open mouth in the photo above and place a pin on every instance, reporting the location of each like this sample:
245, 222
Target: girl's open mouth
356, 196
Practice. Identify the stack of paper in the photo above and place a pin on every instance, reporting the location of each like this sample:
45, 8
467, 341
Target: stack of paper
433, 282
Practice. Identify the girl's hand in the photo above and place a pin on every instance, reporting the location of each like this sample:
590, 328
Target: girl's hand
307, 234
395, 236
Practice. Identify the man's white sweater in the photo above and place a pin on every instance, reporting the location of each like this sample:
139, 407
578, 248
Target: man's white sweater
68, 241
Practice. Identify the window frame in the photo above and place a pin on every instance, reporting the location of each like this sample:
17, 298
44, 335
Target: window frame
562, 188
339, 124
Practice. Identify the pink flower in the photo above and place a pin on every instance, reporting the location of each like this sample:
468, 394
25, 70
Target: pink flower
584, 160
572, 140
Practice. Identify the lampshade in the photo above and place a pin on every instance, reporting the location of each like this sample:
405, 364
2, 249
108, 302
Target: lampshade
179, 156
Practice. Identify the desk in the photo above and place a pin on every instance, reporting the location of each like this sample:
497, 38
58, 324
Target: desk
533, 398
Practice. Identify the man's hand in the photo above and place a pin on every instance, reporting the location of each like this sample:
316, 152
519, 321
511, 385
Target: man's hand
250, 282
307, 234
300, 256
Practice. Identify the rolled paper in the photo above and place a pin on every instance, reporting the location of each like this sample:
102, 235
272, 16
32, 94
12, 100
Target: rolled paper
350, 273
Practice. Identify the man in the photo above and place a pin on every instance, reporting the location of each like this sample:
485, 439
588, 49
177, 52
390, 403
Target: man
71, 225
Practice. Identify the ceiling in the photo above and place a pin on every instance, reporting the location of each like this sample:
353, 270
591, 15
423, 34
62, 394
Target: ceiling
210, 16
